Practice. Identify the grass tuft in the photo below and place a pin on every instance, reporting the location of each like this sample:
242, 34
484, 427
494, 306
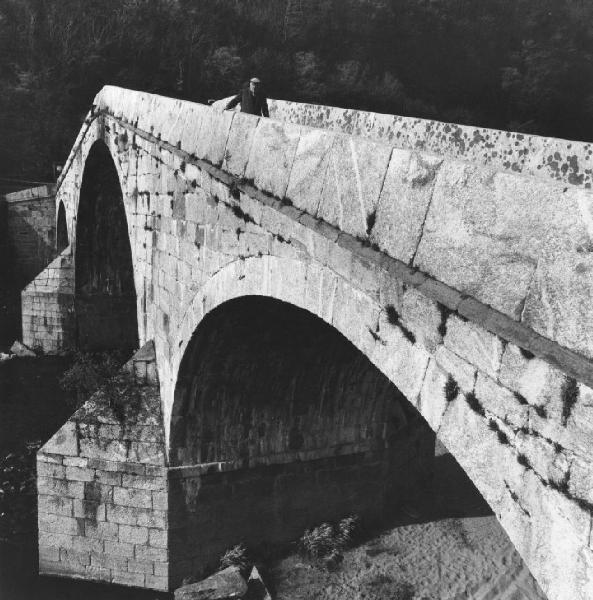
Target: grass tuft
236, 557
475, 404
451, 389
523, 461
526, 354
569, 396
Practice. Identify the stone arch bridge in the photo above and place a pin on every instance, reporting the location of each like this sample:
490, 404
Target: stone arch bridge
307, 293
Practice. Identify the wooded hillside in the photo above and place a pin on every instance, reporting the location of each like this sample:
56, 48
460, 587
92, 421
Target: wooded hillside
525, 65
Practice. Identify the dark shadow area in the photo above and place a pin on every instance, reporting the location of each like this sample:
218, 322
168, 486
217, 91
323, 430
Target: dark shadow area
62, 240
34, 406
105, 296
306, 427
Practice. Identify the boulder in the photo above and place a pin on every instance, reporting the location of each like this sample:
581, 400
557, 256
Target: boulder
224, 585
257, 589
21, 350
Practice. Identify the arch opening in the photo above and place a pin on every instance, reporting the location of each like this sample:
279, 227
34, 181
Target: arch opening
105, 294
279, 423
62, 239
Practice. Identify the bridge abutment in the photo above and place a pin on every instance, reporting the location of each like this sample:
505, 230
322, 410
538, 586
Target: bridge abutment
102, 485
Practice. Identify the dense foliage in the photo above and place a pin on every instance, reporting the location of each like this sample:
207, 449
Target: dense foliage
515, 64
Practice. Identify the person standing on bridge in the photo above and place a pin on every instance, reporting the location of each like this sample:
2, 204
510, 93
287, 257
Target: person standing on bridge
252, 99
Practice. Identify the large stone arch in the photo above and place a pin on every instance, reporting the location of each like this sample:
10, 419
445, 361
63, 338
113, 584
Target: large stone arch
279, 424
105, 293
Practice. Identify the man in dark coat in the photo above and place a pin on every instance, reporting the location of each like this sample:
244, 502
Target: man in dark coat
252, 99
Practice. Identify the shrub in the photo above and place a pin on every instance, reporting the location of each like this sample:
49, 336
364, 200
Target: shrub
327, 539
236, 557
89, 372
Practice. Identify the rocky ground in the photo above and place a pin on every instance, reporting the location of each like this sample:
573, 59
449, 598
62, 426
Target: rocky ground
448, 547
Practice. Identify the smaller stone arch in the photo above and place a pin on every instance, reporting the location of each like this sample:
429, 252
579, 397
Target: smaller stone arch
62, 238
105, 291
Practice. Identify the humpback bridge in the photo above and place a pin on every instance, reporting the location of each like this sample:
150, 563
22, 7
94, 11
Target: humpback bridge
313, 295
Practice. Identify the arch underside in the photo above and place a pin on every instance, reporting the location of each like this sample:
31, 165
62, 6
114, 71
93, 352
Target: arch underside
105, 294
62, 239
279, 424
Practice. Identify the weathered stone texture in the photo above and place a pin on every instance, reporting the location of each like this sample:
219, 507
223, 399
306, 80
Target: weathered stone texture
30, 231
511, 249
102, 508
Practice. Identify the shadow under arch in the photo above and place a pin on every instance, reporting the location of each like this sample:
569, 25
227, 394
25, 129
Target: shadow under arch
62, 239
105, 294
280, 423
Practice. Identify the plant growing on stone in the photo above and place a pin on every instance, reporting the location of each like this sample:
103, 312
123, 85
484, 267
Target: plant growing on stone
90, 371
236, 557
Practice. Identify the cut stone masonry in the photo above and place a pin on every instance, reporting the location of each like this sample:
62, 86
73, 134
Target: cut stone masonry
480, 318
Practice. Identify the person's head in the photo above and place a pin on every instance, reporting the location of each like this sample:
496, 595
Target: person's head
254, 85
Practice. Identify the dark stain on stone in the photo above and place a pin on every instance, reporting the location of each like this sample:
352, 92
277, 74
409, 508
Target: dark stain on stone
371, 218
444, 311
92, 497
569, 397
474, 403
241, 214
451, 389
526, 354
520, 398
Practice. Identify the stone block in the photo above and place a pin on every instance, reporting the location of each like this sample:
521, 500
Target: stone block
462, 371
125, 515
136, 566
86, 544
473, 240
133, 535
422, 317
160, 500
60, 487
352, 184
64, 441
213, 135
432, 397
79, 474
151, 553
46, 469
55, 505
50, 523
474, 344
152, 518
272, 155
157, 538
501, 402
120, 549
126, 578
107, 561
309, 169
102, 530
73, 559
239, 143
145, 482
132, 497
560, 294
403, 204
49, 554
228, 583
155, 582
